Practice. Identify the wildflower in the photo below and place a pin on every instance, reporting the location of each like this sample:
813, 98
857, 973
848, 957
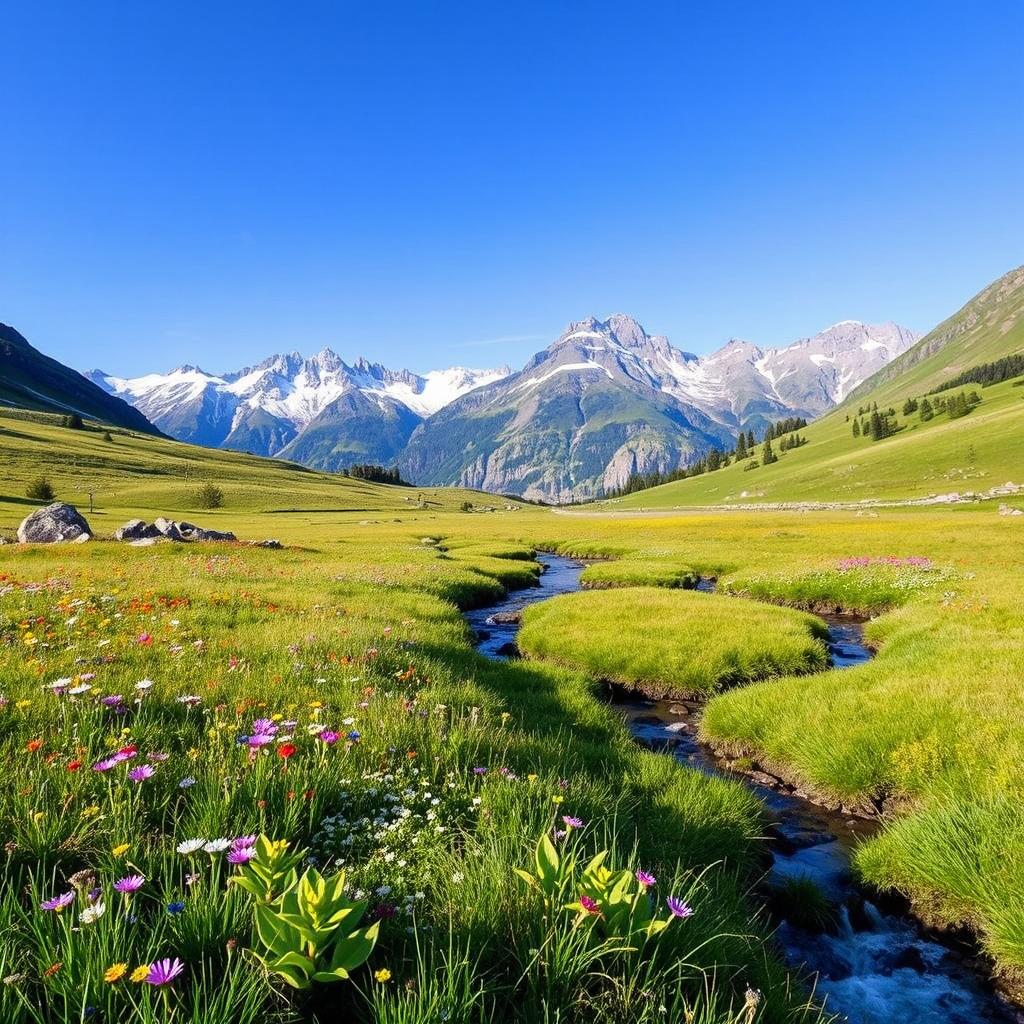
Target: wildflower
572, 822
58, 903
90, 811
186, 782
286, 750
590, 905
120, 849
532, 777
479, 771
328, 736
191, 878
141, 973
216, 845
93, 913
77, 691
645, 878
83, 880
163, 972
242, 841
52, 969
557, 799
176, 907
112, 700
129, 884
383, 975
264, 726
73, 766
114, 973
242, 855
678, 908
190, 846
106, 764
33, 745
354, 736
142, 772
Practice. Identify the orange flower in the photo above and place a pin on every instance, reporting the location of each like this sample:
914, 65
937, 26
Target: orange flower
33, 745
52, 969
286, 750
411, 754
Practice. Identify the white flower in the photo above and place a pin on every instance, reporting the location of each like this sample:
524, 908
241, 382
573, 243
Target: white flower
217, 845
191, 846
143, 684
383, 890
80, 688
59, 684
92, 913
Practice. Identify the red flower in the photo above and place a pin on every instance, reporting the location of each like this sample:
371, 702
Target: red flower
286, 750
33, 745
73, 766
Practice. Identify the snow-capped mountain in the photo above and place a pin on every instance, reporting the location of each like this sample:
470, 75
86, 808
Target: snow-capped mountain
606, 400
266, 407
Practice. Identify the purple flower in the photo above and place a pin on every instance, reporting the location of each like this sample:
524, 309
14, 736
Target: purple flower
175, 908
589, 905
163, 972
186, 782
129, 884
112, 701
260, 739
264, 726
243, 841
106, 764
241, 855
678, 907
646, 879
142, 772
572, 822
479, 771
328, 736
58, 903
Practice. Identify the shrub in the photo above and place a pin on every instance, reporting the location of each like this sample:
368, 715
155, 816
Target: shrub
209, 496
40, 489
106, 436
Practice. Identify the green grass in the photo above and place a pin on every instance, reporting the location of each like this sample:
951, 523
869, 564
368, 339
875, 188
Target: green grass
673, 643
636, 573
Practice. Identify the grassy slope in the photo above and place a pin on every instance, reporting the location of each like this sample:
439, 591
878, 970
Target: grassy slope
136, 475
972, 453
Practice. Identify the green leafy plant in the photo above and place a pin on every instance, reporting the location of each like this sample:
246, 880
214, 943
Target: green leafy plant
271, 872
617, 902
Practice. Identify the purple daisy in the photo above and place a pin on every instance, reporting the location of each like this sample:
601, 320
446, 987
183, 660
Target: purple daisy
260, 739
130, 884
572, 822
590, 905
105, 765
328, 736
142, 772
163, 972
264, 726
646, 879
679, 908
241, 855
58, 903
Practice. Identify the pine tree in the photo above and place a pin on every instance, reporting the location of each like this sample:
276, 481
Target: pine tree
750, 441
767, 455
741, 447
856, 428
926, 412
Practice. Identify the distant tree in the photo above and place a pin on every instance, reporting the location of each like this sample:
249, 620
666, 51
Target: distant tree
209, 495
767, 455
856, 428
926, 412
74, 421
741, 447
909, 406
466, 506
106, 436
40, 489
750, 441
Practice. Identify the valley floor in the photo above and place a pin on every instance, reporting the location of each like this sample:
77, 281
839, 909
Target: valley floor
328, 694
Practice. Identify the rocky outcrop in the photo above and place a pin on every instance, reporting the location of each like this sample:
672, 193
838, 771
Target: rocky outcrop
142, 534
53, 524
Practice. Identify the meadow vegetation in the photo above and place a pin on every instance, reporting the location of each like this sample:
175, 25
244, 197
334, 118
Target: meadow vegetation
317, 694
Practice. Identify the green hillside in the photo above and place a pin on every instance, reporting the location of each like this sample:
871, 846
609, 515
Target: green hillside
921, 457
30, 380
135, 474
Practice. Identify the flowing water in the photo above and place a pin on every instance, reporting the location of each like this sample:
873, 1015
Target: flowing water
875, 966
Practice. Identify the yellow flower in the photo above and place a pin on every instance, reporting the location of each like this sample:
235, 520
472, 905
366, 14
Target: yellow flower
120, 849
141, 973
382, 975
91, 811
115, 972
38, 815
193, 752
22, 704
557, 799
532, 777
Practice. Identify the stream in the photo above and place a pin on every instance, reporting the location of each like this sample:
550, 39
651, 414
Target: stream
876, 966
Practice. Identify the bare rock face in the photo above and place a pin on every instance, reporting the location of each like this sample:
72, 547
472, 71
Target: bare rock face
168, 528
53, 524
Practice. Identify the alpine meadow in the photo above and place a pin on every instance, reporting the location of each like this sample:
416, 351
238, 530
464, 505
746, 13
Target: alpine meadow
511, 515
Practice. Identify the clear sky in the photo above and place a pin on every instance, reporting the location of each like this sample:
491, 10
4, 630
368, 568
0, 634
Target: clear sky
438, 183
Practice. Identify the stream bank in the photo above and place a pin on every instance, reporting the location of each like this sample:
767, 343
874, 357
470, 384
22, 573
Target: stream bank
875, 964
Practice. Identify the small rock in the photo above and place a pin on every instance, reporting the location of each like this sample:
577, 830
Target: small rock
145, 542
269, 544
505, 618
508, 650
910, 958
135, 529
52, 524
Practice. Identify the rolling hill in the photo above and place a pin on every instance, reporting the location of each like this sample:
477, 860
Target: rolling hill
30, 380
972, 453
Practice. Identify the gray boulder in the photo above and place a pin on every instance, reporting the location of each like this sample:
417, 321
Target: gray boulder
189, 531
168, 528
136, 529
55, 523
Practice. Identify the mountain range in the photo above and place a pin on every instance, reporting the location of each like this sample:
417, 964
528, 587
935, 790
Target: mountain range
603, 401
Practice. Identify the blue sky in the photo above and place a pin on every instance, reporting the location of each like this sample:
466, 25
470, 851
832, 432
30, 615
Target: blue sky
429, 184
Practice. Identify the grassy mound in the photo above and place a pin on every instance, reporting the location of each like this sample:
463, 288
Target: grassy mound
639, 573
671, 643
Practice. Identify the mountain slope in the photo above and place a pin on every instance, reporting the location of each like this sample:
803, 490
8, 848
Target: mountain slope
31, 380
267, 407
985, 329
606, 400
972, 453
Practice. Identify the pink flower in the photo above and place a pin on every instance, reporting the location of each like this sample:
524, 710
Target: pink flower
130, 884
645, 879
163, 972
142, 772
589, 905
58, 903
